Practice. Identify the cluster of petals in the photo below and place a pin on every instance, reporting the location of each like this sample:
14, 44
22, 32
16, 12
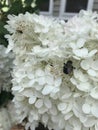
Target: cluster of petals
43, 91
8, 117
5, 69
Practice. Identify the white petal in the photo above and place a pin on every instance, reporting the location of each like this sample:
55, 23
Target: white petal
95, 65
47, 103
69, 127
61, 123
86, 108
81, 52
72, 45
45, 118
77, 73
27, 93
83, 118
35, 116
84, 86
76, 112
67, 94
75, 123
96, 126
77, 95
32, 126
16, 88
32, 100
80, 76
68, 109
39, 72
94, 110
53, 110
62, 106
91, 53
55, 89
76, 57
83, 78
41, 81
94, 93
49, 80
90, 122
31, 118
58, 82
68, 116
47, 90
19, 98
92, 72
73, 80
55, 119
30, 76
80, 43
42, 110
30, 84
38, 87
85, 64
39, 103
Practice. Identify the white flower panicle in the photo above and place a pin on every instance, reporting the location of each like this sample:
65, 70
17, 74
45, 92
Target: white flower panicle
7, 117
5, 123
55, 74
5, 69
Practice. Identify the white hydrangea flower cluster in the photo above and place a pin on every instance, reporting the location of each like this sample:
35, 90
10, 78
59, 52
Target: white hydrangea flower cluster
7, 117
55, 74
5, 69
5, 123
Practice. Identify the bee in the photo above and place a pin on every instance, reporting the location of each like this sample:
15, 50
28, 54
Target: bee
68, 67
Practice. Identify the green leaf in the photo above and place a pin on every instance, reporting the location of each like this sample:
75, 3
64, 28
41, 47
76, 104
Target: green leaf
5, 97
28, 2
16, 7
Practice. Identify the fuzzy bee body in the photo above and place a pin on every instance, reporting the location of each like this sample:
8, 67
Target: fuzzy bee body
68, 67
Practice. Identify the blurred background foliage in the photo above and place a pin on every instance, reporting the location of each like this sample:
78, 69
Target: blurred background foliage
14, 7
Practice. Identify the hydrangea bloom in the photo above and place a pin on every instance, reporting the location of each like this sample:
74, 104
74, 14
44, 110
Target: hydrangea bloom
7, 117
5, 123
5, 69
55, 74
